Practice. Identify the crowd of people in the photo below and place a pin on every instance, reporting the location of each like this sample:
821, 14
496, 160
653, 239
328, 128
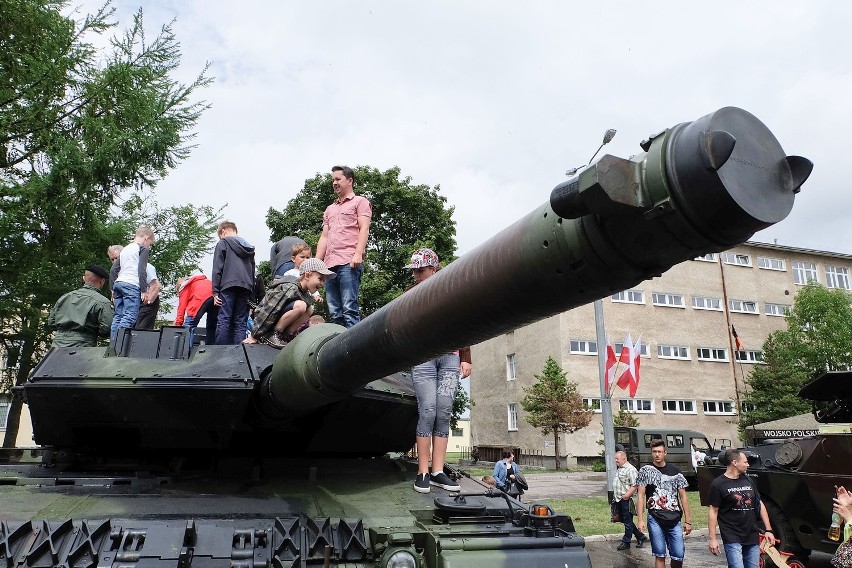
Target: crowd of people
278, 311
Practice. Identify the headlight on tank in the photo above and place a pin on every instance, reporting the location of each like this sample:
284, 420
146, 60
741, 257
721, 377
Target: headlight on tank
400, 552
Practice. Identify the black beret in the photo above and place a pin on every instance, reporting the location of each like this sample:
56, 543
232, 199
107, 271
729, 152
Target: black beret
97, 271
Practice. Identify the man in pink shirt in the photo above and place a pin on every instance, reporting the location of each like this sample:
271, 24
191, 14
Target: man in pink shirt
345, 228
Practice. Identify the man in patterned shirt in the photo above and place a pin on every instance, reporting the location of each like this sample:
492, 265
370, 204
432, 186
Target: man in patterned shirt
624, 490
662, 488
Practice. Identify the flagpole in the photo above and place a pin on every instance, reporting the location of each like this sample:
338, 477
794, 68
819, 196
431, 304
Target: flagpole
606, 401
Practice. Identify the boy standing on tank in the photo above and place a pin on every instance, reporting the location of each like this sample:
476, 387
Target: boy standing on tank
131, 282
233, 283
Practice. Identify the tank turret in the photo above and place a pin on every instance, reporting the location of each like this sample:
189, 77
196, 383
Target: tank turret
697, 187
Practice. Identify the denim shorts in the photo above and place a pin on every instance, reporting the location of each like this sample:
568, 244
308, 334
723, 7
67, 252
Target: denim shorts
662, 538
742, 555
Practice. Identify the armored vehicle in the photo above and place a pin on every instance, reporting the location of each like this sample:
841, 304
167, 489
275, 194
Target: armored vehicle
796, 478
165, 455
680, 447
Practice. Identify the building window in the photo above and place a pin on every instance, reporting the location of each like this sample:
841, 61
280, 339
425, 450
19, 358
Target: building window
837, 277
672, 352
749, 356
583, 347
707, 303
630, 297
804, 272
776, 309
593, 404
669, 300
619, 347
458, 432
638, 405
743, 306
719, 407
513, 417
746, 406
770, 263
679, 406
709, 257
4, 412
712, 354
511, 374
736, 259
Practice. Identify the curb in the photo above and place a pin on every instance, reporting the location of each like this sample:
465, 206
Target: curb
617, 537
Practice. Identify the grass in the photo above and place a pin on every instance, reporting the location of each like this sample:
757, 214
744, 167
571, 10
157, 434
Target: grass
591, 514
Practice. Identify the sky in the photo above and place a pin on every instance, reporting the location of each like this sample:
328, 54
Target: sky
494, 100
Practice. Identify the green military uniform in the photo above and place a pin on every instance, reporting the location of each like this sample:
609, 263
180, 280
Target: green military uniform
80, 316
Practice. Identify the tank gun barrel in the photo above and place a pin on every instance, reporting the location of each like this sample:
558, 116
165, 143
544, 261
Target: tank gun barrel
698, 187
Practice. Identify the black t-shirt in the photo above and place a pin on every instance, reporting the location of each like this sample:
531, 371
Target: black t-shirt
739, 504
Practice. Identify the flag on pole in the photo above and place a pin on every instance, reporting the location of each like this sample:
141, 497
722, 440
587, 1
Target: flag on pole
737, 341
630, 354
609, 373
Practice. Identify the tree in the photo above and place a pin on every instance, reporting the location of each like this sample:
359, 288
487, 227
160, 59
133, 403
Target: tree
626, 419
461, 403
818, 338
554, 405
405, 216
82, 138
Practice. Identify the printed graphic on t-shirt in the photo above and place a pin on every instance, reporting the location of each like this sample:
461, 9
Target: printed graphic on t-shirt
666, 481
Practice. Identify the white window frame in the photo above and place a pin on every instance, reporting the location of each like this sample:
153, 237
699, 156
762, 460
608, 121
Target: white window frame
512, 417
5, 406
716, 407
682, 353
770, 263
718, 354
742, 306
709, 257
746, 406
583, 346
750, 357
804, 272
592, 403
736, 258
776, 310
837, 277
680, 405
511, 367
629, 297
704, 301
637, 405
668, 300
643, 349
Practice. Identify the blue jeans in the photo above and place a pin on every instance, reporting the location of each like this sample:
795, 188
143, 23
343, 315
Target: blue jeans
435, 385
742, 555
630, 528
128, 298
665, 537
341, 295
233, 313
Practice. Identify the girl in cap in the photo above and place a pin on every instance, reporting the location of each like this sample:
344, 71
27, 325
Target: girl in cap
435, 384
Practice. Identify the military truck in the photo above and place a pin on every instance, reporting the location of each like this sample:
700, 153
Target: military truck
796, 477
680, 446
162, 454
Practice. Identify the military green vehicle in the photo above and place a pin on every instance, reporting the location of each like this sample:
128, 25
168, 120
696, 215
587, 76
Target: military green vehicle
166, 455
681, 446
796, 478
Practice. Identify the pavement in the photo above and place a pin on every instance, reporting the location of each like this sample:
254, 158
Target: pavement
602, 548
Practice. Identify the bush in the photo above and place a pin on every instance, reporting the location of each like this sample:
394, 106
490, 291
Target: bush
598, 465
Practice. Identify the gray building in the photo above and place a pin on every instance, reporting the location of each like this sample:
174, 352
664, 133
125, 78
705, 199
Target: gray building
691, 375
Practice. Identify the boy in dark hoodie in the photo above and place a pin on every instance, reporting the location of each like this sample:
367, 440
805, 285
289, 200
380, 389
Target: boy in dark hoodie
233, 282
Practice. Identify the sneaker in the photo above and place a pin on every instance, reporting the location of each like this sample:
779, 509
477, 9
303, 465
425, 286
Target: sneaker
640, 541
421, 483
442, 480
623, 546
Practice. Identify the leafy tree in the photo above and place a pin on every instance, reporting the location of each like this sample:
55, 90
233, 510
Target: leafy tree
554, 405
83, 136
817, 339
461, 403
405, 216
626, 419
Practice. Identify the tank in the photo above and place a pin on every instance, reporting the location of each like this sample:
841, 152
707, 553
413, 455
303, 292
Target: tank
162, 454
796, 477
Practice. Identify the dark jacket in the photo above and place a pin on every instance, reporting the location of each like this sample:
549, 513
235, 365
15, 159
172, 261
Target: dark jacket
233, 264
282, 252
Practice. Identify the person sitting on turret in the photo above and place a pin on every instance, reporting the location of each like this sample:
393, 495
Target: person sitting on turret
288, 304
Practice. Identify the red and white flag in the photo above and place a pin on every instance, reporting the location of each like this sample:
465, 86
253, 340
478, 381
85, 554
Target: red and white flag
609, 373
630, 355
